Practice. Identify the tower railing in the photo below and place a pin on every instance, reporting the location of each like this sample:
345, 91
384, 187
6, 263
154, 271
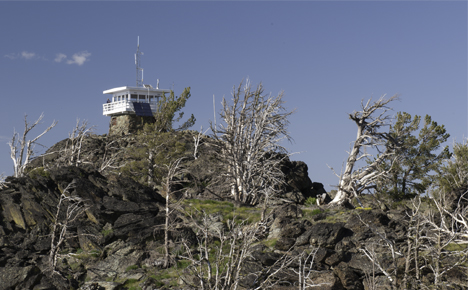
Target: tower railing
125, 106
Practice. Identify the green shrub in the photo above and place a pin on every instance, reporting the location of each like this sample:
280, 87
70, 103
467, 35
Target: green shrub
133, 267
74, 266
132, 284
95, 253
270, 243
164, 147
310, 201
107, 232
225, 209
182, 264
455, 247
307, 213
39, 171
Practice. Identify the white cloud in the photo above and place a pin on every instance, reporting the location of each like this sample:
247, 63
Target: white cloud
59, 57
11, 55
79, 58
27, 55
24, 55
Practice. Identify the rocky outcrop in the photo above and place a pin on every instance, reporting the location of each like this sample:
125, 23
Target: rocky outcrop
119, 213
106, 154
125, 124
117, 242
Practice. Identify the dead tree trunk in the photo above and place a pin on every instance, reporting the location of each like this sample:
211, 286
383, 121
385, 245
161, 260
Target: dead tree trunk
250, 136
369, 121
21, 151
69, 209
173, 169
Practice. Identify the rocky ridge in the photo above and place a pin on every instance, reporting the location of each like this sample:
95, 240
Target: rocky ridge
116, 242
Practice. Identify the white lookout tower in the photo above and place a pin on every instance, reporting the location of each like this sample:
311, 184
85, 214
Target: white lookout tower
131, 107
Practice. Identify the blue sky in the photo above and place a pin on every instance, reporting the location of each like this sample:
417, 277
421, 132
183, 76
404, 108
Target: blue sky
58, 57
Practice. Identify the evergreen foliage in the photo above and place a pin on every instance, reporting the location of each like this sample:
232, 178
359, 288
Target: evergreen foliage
156, 145
167, 109
417, 157
453, 174
152, 153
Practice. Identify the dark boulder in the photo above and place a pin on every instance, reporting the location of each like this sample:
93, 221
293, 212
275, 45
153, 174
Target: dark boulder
326, 234
297, 178
348, 277
18, 277
317, 189
266, 258
116, 205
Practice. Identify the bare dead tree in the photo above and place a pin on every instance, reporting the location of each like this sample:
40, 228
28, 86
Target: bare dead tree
174, 168
411, 276
370, 280
197, 140
406, 250
69, 209
413, 246
109, 160
435, 242
445, 238
306, 263
22, 150
369, 120
383, 241
71, 154
224, 269
253, 129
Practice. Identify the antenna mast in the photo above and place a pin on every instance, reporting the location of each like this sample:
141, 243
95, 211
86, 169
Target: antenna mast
139, 70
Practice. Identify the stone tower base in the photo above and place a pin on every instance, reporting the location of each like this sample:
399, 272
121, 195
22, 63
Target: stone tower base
126, 124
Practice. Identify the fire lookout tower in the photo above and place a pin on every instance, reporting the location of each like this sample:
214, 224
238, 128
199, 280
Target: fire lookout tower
131, 107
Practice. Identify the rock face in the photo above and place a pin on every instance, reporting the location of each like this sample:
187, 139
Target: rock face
125, 124
105, 153
117, 240
116, 243
119, 214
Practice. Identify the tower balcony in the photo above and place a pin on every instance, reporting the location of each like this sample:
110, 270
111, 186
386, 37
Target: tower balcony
141, 101
125, 107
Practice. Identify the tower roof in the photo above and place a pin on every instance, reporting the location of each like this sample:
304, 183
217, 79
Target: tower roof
135, 90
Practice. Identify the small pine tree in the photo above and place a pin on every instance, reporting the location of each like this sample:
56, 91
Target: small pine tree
417, 156
167, 109
453, 174
150, 155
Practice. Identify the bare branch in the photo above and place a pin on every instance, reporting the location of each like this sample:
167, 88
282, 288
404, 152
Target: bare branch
22, 150
254, 127
71, 154
2, 181
352, 181
197, 140
69, 209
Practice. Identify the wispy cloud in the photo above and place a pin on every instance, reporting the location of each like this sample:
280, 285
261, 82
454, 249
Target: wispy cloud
60, 57
23, 55
11, 55
28, 55
79, 58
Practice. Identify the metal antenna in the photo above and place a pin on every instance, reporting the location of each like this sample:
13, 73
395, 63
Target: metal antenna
139, 70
